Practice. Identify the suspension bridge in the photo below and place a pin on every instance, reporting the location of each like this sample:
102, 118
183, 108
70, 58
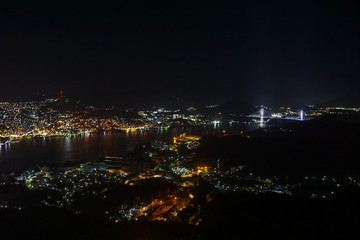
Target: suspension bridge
264, 115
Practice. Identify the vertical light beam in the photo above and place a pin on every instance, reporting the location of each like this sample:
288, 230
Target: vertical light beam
301, 115
262, 117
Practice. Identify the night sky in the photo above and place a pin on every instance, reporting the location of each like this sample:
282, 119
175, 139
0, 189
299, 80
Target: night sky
256, 51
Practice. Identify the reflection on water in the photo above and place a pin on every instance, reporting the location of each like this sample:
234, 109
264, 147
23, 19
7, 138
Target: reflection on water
29, 152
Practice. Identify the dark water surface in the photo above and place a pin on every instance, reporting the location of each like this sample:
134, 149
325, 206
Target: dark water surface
51, 150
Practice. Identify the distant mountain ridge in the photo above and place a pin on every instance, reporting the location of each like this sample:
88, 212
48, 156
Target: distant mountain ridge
236, 107
346, 101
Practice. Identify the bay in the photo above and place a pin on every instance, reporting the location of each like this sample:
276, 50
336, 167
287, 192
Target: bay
30, 152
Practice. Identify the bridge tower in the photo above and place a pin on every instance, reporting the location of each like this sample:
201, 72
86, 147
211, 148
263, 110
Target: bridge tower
262, 111
301, 115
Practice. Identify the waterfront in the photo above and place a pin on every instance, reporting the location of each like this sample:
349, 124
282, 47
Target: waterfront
52, 150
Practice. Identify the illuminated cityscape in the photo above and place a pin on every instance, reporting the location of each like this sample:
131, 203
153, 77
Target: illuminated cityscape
165, 120
162, 180
46, 118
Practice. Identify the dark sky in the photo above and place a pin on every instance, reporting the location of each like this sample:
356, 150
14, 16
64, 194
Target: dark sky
258, 51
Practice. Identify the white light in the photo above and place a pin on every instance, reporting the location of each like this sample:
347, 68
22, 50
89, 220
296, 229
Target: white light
301, 115
262, 117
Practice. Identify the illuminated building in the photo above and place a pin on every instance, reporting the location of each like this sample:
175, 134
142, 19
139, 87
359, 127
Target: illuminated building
178, 116
202, 169
187, 140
